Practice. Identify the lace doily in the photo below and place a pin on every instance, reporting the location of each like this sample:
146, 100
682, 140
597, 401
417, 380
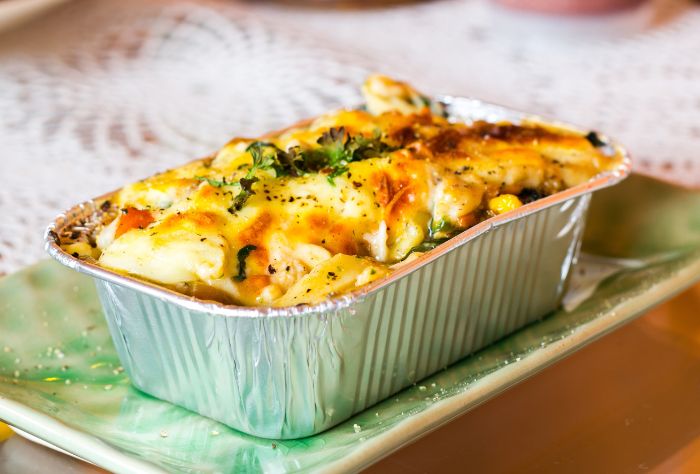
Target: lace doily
103, 97
99, 94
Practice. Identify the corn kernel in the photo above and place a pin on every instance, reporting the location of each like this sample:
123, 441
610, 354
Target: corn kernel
504, 203
5, 432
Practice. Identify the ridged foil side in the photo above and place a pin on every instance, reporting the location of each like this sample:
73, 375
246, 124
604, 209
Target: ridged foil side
294, 376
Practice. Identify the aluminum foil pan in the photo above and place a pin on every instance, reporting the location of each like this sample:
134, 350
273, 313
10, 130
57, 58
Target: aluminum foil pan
293, 372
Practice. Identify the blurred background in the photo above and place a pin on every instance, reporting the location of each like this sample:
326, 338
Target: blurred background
94, 95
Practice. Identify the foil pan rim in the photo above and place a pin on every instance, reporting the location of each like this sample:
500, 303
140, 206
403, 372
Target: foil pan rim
600, 181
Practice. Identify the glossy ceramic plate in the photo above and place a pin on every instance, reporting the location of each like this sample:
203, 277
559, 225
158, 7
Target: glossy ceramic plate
60, 378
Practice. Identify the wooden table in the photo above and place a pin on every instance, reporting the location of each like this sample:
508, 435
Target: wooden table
626, 403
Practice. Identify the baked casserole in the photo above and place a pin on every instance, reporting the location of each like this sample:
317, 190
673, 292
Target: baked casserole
331, 204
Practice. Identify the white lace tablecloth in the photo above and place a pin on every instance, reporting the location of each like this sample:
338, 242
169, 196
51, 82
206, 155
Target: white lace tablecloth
98, 94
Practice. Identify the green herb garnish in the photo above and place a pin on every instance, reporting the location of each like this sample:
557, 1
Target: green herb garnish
214, 182
290, 162
336, 150
439, 233
440, 227
333, 143
421, 101
239, 200
264, 157
427, 245
242, 256
337, 172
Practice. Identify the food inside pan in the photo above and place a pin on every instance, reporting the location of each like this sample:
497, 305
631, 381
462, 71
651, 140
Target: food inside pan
332, 204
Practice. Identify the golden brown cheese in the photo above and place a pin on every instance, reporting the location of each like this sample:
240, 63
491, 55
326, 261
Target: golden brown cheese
331, 204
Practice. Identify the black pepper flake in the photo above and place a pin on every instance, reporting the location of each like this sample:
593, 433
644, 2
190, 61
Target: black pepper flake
105, 205
75, 254
291, 199
308, 290
288, 268
271, 270
357, 184
202, 239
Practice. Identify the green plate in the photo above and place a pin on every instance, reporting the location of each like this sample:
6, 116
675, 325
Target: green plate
60, 379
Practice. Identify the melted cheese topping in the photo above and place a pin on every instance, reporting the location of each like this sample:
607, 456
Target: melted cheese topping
301, 239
